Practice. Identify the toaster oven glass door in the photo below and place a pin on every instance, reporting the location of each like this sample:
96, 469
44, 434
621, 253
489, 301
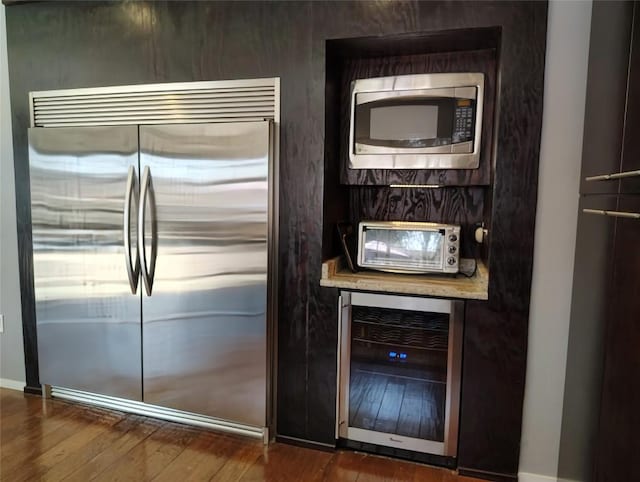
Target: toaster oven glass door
400, 249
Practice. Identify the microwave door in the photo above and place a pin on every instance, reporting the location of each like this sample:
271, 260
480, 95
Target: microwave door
404, 123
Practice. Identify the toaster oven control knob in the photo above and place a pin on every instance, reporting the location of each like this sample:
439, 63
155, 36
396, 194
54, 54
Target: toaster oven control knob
453, 238
451, 261
452, 249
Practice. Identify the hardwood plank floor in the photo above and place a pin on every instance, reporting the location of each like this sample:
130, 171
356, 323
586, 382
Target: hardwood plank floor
52, 440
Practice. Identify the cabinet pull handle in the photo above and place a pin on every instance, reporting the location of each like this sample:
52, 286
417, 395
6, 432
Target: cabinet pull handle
615, 214
617, 175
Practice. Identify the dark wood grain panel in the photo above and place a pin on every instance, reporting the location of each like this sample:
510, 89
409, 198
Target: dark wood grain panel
609, 43
418, 43
335, 200
630, 146
493, 341
360, 68
28, 306
495, 338
91, 44
322, 362
516, 170
617, 442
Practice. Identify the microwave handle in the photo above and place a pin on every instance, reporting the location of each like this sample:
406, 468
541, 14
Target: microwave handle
457, 92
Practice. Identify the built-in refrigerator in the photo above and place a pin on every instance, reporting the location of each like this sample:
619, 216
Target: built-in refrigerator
150, 262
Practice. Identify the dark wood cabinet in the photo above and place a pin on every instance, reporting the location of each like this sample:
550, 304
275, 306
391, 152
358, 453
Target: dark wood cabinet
631, 136
92, 44
618, 445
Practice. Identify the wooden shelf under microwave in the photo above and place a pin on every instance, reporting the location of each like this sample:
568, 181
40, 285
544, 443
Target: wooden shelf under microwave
336, 275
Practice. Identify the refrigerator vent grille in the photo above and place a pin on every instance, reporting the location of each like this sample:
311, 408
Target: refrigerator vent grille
174, 103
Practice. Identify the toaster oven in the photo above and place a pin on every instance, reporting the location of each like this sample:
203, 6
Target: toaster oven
409, 247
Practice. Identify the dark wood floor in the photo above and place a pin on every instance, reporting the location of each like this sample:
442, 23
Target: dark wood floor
55, 440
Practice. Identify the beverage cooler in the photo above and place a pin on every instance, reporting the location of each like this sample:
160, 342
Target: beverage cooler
399, 372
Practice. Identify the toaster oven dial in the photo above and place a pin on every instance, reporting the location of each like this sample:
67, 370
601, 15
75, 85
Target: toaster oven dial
451, 261
452, 249
453, 238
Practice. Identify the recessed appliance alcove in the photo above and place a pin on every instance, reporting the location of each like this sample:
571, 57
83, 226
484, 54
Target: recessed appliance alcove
460, 197
453, 196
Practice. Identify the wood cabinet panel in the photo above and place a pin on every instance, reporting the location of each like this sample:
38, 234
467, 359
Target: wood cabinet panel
494, 341
617, 443
91, 44
606, 91
631, 141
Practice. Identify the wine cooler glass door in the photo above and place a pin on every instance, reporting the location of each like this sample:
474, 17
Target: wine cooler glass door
400, 371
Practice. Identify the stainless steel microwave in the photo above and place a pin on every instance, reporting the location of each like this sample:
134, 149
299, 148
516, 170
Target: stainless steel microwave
423, 121
409, 247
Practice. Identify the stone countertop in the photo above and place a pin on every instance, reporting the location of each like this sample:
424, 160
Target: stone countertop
476, 287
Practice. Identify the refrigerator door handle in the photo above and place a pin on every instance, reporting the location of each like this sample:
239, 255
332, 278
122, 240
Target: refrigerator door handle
133, 269
145, 191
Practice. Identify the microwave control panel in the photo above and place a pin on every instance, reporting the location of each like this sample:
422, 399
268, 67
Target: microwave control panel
463, 126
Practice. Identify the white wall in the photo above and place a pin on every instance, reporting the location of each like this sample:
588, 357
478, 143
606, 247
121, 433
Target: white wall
11, 347
569, 25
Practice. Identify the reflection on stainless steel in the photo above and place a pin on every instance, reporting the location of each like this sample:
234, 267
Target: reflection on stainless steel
204, 327
200, 243
133, 267
88, 321
147, 273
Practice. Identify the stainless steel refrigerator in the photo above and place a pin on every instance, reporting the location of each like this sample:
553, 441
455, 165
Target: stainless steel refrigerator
150, 257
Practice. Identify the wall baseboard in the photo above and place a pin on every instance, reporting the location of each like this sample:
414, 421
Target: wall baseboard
305, 443
12, 384
487, 475
528, 477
